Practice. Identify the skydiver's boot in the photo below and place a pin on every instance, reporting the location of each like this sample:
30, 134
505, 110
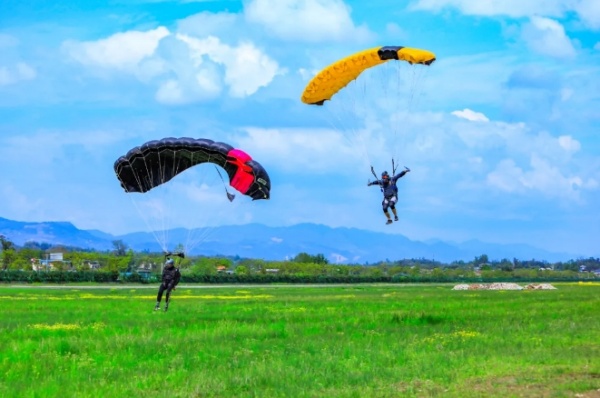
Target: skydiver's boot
166, 306
389, 220
157, 306
395, 214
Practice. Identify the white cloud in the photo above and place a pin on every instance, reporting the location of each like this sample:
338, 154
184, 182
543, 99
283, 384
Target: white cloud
123, 51
305, 20
207, 23
589, 12
246, 67
185, 68
44, 147
338, 258
276, 240
395, 30
170, 92
511, 8
566, 94
569, 144
471, 115
16, 73
8, 41
24, 206
299, 150
541, 177
546, 36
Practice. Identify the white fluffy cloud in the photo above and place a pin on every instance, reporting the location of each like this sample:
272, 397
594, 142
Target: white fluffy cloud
16, 73
516, 161
44, 147
184, 68
542, 176
546, 36
569, 144
12, 71
511, 8
246, 67
122, 51
588, 11
207, 23
471, 115
305, 20
300, 150
8, 41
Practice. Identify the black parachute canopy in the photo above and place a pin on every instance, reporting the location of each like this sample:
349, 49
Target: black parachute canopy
157, 162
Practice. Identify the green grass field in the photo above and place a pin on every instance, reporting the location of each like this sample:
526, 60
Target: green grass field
334, 341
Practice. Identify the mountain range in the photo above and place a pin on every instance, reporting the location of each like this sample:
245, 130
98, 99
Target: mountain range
338, 245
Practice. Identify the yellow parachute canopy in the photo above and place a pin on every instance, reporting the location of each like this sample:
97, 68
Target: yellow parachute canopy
337, 75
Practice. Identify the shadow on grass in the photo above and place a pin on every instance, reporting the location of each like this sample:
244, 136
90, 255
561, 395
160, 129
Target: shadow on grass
416, 319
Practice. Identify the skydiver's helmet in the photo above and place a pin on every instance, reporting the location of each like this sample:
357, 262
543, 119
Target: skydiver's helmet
385, 175
169, 262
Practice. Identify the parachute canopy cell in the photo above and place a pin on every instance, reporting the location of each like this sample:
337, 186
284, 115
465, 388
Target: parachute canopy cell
337, 75
157, 162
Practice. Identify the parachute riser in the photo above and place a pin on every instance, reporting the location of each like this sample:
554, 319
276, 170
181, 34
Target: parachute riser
375, 175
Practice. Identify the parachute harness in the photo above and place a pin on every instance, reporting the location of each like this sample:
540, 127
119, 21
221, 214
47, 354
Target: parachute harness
393, 171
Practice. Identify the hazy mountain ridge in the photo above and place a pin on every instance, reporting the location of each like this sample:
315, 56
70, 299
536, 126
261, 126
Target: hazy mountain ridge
278, 243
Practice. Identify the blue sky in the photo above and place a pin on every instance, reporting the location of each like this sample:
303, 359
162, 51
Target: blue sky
502, 132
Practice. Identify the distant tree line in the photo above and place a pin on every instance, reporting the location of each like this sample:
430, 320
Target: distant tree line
31, 263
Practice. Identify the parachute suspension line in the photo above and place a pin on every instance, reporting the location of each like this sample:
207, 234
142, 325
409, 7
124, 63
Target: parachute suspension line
145, 173
390, 80
168, 197
148, 225
345, 118
414, 77
195, 235
383, 116
358, 102
141, 213
337, 124
199, 236
399, 136
230, 196
208, 229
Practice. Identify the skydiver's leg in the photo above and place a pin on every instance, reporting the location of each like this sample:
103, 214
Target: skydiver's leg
393, 206
161, 289
168, 297
385, 204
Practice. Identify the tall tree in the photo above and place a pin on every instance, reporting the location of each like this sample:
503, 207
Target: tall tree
8, 251
119, 248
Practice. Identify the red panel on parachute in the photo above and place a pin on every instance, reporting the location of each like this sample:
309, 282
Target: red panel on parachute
243, 178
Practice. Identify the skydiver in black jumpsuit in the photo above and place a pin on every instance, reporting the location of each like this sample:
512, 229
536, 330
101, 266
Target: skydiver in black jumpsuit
170, 279
390, 192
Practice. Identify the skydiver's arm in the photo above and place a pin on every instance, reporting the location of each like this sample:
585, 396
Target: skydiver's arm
400, 175
376, 182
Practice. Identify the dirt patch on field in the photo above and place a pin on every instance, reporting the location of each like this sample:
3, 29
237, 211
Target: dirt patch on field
579, 385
